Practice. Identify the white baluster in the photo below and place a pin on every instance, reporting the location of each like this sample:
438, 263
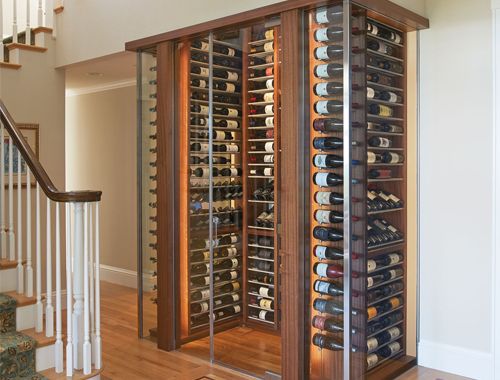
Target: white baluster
49, 13
40, 13
59, 359
49, 309
14, 22
29, 264
39, 305
78, 286
69, 298
28, 26
97, 348
20, 267
3, 233
12, 246
87, 349
91, 282
2, 58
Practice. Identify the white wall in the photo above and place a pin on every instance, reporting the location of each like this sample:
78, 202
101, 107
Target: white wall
456, 188
114, 22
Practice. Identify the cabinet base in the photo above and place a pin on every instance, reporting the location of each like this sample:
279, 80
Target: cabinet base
392, 368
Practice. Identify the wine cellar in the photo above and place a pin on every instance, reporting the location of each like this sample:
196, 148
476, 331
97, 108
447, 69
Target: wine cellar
276, 155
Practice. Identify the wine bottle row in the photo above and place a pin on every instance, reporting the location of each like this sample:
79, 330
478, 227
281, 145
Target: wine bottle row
227, 187
262, 142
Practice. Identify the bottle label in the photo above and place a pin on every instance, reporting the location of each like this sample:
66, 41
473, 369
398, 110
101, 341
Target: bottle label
394, 347
394, 198
236, 297
322, 53
230, 87
369, 281
269, 34
371, 126
204, 307
269, 146
320, 252
393, 98
232, 148
323, 197
268, 171
269, 96
321, 287
384, 142
203, 83
204, 110
322, 71
392, 228
392, 273
323, 216
394, 332
320, 161
371, 344
374, 29
371, 360
322, 105
264, 291
269, 46
206, 280
394, 158
236, 286
395, 302
269, 109
370, 93
372, 312
383, 196
237, 308
204, 46
371, 195
219, 135
266, 304
321, 179
372, 265
262, 314
206, 255
234, 263
270, 84
232, 123
321, 35
232, 76
234, 275
234, 238
372, 157
217, 303
269, 158
205, 294
269, 121
232, 112
204, 71
394, 257
322, 16
321, 269
322, 90
231, 52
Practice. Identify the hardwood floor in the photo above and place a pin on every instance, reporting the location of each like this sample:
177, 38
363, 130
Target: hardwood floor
126, 357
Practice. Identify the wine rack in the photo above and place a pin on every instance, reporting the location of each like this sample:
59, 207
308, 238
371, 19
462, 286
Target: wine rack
262, 180
227, 185
378, 174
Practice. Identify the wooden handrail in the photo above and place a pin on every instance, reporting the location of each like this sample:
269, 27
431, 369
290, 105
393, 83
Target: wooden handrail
37, 169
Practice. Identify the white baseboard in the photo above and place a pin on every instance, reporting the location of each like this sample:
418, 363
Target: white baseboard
457, 360
119, 276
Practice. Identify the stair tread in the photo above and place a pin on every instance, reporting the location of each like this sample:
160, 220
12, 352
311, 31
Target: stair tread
7, 264
59, 9
8, 65
32, 377
41, 339
77, 375
41, 29
15, 45
16, 339
21, 299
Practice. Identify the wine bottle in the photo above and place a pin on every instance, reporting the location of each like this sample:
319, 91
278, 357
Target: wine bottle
380, 110
332, 15
328, 125
328, 253
328, 198
328, 107
327, 179
380, 79
327, 143
201, 83
383, 292
390, 66
391, 97
327, 288
323, 306
390, 349
328, 270
199, 295
380, 142
328, 217
231, 172
225, 74
329, 52
204, 172
266, 303
201, 307
327, 161
383, 261
392, 158
328, 70
200, 269
326, 342
328, 234
381, 47
328, 89
382, 323
331, 34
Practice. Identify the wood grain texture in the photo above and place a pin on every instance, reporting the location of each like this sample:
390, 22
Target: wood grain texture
166, 196
292, 238
406, 19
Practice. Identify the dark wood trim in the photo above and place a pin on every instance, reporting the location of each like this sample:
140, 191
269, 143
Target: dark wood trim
36, 167
292, 244
406, 19
166, 197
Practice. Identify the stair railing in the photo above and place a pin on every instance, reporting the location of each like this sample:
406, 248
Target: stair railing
81, 250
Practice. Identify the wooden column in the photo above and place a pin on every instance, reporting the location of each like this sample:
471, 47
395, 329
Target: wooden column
294, 150
167, 196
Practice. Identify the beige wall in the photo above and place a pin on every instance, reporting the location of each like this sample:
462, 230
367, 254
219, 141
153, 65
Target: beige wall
114, 22
101, 154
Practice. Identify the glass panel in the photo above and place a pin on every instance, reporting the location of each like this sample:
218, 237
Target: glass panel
146, 67
249, 61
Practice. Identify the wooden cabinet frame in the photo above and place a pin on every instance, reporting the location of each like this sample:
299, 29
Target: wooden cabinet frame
293, 218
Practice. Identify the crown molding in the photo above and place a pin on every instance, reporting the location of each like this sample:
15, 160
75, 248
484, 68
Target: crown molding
101, 87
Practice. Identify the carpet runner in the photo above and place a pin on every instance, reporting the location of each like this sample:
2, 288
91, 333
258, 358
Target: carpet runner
17, 350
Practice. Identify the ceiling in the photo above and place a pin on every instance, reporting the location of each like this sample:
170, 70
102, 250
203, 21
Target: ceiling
110, 71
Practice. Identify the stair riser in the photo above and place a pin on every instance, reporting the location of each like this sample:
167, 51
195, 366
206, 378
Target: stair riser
45, 358
25, 317
8, 280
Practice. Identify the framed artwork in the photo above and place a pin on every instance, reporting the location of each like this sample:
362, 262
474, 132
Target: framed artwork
31, 134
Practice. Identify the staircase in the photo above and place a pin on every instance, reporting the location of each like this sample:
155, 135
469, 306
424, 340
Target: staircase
49, 239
